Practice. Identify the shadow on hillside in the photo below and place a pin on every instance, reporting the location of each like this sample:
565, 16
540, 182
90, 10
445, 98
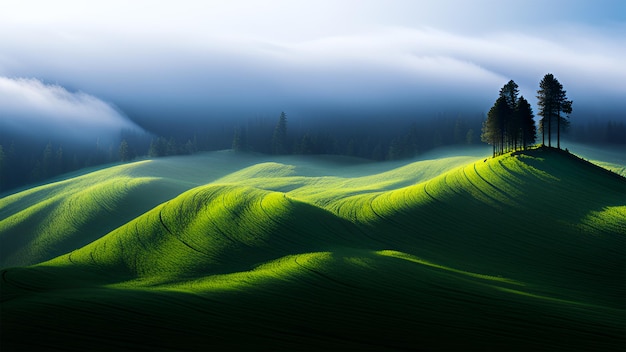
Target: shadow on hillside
545, 151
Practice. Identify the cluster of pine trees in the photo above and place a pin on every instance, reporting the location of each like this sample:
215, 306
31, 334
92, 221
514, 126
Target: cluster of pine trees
510, 123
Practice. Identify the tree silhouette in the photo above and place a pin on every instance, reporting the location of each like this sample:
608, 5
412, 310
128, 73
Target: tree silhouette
509, 92
494, 127
306, 145
564, 106
237, 139
552, 102
58, 167
158, 147
509, 124
512, 125
279, 139
525, 115
47, 163
469, 136
123, 151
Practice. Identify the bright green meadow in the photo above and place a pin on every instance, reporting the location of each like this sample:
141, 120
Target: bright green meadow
239, 251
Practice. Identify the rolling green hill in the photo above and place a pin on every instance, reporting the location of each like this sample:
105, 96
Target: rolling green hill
43, 222
526, 251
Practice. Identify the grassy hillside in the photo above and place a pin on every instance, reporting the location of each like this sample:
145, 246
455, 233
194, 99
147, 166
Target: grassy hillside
612, 158
43, 222
526, 251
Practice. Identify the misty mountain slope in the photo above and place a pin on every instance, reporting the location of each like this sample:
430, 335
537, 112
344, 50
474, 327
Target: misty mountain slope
41, 223
525, 252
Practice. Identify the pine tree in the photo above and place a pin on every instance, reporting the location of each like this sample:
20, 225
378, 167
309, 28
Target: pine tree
512, 125
489, 131
240, 140
279, 139
509, 92
546, 97
469, 136
123, 151
564, 106
459, 131
306, 145
158, 147
171, 147
552, 102
58, 162
395, 150
525, 115
494, 127
189, 147
47, 161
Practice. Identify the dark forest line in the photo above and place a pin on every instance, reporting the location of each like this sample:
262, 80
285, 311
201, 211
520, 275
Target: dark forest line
27, 161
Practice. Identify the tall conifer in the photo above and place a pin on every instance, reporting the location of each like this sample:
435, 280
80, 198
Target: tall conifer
525, 115
552, 102
279, 139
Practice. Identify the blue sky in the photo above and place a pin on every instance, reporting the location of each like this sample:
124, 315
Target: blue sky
186, 60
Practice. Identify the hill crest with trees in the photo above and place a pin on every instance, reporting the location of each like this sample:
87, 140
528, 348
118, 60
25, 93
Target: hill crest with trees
510, 123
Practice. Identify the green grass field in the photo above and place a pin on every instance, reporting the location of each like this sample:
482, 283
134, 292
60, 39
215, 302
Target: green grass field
219, 251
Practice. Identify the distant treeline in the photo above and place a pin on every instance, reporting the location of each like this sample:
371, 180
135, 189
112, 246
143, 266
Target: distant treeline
366, 142
598, 132
25, 161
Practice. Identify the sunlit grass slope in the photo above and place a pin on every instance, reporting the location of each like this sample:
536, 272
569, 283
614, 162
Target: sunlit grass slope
525, 251
43, 222
47, 221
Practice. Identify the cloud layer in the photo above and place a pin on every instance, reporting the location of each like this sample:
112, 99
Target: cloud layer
167, 64
31, 107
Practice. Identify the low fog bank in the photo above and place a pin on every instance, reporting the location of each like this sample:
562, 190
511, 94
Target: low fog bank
182, 81
46, 130
103, 90
33, 109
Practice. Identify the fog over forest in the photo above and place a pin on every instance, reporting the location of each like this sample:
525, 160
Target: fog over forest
73, 73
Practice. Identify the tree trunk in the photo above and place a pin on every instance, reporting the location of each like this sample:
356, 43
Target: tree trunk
558, 130
550, 130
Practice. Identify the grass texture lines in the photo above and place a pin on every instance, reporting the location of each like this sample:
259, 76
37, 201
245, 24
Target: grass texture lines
526, 251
